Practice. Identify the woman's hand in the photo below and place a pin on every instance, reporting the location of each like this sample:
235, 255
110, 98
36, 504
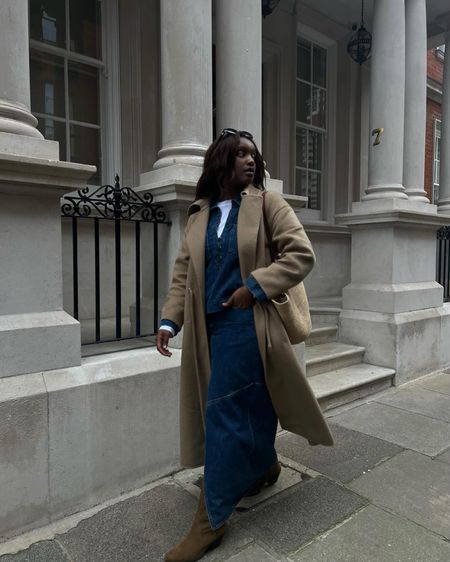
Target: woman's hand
162, 341
241, 298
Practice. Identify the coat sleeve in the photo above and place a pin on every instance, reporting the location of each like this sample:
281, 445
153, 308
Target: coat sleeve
173, 308
296, 256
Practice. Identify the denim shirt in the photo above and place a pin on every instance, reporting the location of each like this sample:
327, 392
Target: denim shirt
222, 272
222, 268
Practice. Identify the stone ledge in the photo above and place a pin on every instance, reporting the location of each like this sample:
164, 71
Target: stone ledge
392, 298
395, 217
38, 341
26, 175
94, 432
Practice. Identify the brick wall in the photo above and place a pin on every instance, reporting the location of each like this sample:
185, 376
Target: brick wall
435, 67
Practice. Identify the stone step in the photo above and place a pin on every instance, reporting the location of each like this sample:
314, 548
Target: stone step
322, 334
321, 316
342, 386
331, 356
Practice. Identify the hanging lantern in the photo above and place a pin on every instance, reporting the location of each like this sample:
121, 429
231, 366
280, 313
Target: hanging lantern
360, 43
268, 6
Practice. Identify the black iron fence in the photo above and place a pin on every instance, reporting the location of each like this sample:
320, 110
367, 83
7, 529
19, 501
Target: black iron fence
443, 260
111, 209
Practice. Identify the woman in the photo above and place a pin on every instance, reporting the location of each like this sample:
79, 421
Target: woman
239, 373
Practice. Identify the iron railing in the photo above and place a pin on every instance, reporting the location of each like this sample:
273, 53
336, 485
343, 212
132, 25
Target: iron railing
115, 204
443, 260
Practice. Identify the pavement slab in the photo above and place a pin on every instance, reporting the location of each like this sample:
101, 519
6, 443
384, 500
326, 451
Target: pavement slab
409, 430
190, 480
252, 553
438, 383
44, 551
413, 486
373, 535
140, 528
420, 401
444, 457
143, 528
299, 514
353, 453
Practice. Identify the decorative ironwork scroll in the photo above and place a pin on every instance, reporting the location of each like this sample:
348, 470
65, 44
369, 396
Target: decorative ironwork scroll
113, 202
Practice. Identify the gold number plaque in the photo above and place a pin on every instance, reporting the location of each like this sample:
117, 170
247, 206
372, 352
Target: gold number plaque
377, 132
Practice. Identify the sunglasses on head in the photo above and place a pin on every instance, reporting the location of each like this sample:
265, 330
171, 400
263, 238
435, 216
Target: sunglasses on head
228, 132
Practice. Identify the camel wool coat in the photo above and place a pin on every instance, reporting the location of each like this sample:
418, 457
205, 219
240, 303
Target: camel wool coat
292, 397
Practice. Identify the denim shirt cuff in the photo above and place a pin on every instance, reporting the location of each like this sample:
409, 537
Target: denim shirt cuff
164, 324
255, 288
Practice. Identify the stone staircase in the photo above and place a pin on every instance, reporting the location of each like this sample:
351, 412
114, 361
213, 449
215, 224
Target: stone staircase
336, 371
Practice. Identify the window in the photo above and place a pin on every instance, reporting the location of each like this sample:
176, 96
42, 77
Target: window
436, 158
311, 121
65, 65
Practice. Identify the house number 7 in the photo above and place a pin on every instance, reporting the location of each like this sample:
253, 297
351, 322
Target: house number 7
377, 132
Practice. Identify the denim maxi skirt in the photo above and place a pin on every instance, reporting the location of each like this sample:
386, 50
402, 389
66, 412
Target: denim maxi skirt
241, 422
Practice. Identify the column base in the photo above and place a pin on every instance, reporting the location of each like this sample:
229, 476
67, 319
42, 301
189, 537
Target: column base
417, 195
390, 191
38, 341
18, 120
413, 343
181, 153
178, 174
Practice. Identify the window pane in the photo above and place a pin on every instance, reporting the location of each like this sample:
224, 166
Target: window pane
319, 108
83, 93
303, 102
302, 148
85, 35
301, 182
304, 60
314, 181
85, 148
48, 21
319, 66
315, 150
47, 84
54, 130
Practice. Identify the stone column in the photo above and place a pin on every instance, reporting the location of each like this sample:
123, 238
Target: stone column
15, 115
387, 92
186, 81
415, 100
36, 334
444, 183
238, 27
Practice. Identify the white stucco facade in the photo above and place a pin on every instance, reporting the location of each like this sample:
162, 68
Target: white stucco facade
172, 74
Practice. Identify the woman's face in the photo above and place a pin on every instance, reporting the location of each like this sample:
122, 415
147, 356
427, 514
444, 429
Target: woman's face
244, 165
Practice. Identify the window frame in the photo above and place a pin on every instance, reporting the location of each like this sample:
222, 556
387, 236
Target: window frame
437, 130
326, 212
109, 89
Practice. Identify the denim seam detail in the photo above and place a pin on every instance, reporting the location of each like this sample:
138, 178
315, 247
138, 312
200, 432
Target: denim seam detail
231, 394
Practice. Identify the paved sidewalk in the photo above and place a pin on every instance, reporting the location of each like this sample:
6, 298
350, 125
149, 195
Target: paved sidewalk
381, 494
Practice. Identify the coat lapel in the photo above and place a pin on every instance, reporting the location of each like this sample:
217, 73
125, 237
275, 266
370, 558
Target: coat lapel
195, 238
249, 221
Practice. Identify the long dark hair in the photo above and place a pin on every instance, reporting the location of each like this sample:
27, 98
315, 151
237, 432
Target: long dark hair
219, 164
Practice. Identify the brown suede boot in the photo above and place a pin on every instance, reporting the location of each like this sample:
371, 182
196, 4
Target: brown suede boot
269, 478
199, 540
